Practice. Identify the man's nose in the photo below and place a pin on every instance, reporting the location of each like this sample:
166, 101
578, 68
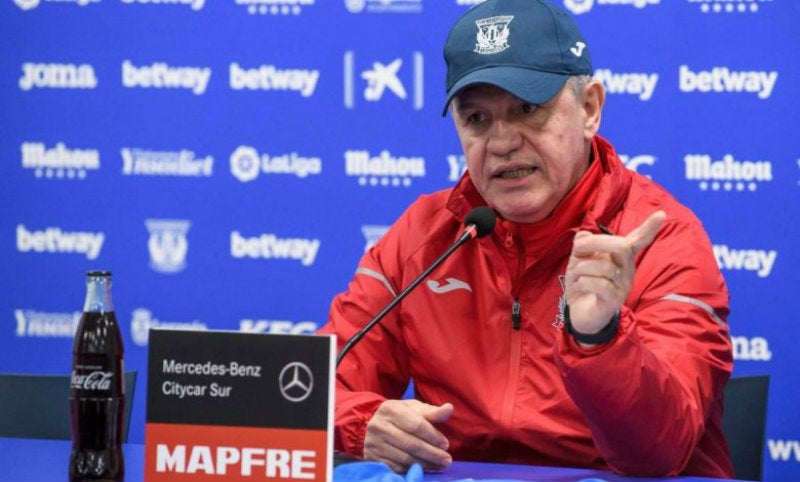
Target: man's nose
504, 138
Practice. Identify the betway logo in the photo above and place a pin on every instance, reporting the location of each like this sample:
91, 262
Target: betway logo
247, 164
54, 240
751, 349
724, 80
756, 260
784, 450
269, 77
194, 4
639, 84
163, 76
57, 76
269, 246
40, 324
384, 169
59, 160
582, 6
726, 173
284, 327
183, 163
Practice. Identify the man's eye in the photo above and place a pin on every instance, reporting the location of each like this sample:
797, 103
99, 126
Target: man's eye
475, 118
528, 108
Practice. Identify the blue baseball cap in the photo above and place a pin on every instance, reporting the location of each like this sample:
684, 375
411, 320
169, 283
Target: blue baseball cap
528, 48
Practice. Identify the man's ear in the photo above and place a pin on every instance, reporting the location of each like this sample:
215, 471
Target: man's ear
594, 96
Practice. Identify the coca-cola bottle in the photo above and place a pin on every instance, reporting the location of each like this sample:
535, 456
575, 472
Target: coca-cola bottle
97, 389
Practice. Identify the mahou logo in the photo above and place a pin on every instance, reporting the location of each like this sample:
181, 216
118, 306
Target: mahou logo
728, 173
384, 170
730, 6
275, 7
96, 380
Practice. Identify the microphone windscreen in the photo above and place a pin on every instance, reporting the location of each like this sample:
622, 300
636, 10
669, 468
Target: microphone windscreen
483, 219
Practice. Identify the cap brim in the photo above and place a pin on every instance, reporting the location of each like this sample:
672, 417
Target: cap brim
532, 86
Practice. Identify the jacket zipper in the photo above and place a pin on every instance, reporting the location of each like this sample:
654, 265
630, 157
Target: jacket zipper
515, 358
516, 317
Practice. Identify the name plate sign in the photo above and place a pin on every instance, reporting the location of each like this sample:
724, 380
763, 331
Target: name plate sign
239, 406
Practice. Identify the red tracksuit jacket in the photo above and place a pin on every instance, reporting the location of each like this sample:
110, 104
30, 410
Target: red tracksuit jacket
647, 403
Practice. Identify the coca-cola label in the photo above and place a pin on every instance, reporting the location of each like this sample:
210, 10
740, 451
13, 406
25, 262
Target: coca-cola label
96, 380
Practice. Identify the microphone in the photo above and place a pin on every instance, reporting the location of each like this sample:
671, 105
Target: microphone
479, 222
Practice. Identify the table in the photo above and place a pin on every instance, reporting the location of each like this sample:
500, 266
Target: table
34, 460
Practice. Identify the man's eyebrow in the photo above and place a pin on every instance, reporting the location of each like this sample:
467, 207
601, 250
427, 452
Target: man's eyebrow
463, 104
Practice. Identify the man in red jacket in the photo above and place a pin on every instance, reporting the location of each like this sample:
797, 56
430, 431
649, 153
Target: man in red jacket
587, 330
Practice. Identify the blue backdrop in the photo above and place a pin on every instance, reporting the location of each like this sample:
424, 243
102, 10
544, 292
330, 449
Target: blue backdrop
229, 161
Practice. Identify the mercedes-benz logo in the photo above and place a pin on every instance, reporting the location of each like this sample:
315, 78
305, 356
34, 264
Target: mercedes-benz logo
296, 382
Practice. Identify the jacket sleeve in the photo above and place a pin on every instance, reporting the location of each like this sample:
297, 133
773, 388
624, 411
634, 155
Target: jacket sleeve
649, 394
376, 369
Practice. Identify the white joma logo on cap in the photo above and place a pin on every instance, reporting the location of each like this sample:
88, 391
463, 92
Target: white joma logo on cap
577, 50
492, 34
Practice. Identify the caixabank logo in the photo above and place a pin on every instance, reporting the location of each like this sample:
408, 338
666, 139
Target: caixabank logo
385, 80
584, 6
275, 7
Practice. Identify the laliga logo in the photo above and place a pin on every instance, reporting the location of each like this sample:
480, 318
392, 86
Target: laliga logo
579, 6
27, 4
296, 382
245, 163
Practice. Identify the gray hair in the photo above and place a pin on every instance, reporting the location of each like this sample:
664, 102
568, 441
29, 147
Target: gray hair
578, 82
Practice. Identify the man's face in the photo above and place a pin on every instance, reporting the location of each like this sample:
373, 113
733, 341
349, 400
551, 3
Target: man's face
523, 158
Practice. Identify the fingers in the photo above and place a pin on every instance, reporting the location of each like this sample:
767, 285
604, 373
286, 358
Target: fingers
619, 248
401, 433
596, 267
642, 236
